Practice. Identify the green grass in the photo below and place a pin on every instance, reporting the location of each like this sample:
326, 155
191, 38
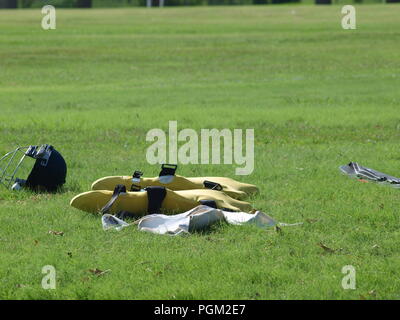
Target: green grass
317, 96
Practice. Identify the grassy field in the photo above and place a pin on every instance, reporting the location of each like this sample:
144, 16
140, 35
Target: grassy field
316, 95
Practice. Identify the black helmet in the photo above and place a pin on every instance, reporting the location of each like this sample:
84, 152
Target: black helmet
48, 173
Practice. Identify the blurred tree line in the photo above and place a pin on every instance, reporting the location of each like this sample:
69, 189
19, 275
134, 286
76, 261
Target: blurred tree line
134, 3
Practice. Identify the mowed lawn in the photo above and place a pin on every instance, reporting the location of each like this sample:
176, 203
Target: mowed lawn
316, 95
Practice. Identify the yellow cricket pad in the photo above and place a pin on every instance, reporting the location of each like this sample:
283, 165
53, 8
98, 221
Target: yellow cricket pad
137, 202
233, 188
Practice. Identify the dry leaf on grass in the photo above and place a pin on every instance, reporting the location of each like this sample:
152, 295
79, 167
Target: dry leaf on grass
371, 293
327, 249
98, 272
56, 233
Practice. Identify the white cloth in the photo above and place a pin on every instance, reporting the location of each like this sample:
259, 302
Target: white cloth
112, 222
199, 218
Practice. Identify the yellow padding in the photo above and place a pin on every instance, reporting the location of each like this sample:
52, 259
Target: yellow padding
233, 188
137, 203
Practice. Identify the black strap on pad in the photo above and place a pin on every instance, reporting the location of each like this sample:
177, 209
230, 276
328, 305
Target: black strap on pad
212, 185
209, 203
135, 188
120, 188
155, 197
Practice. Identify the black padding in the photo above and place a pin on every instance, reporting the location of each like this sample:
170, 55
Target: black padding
168, 170
120, 188
212, 185
155, 196
209, 203
49, 171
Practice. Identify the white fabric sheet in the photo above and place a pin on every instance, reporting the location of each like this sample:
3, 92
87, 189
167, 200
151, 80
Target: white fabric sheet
199, 218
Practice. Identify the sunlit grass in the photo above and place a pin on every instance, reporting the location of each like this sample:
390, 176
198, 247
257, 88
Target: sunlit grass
317, 97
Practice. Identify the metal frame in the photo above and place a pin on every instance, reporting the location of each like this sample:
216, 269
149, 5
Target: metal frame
7, 180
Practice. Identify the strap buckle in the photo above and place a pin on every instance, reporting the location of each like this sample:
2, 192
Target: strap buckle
212, 185
168, 170
167, 173
136, 176
119, 189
